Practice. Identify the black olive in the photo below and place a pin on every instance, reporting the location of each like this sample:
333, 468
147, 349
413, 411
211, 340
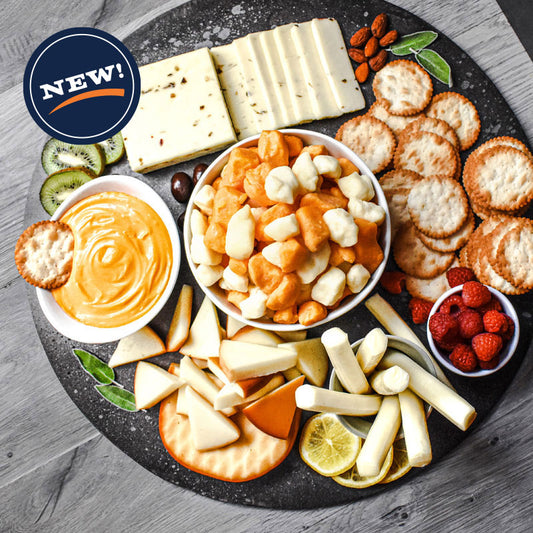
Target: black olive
199, 169
181, 187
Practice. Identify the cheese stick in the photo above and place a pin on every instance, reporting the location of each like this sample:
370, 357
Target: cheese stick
344, 361
371, 350
415, 429
379, 438
313, 398
390, 381
445, 400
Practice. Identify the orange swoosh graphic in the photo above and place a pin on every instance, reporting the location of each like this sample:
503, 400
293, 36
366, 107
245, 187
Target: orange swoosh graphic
89, 94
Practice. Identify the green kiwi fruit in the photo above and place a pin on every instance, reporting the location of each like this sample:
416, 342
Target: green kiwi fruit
113, 148
58, 155
61, 184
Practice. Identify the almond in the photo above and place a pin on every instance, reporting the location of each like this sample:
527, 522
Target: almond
357, 55
371, 47
361, 36
379, 26
388, 38
378, 61
362, 72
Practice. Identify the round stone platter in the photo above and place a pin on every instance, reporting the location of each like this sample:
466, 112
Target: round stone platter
292, 485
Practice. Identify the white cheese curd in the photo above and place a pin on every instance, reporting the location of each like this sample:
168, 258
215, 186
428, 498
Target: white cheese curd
281, 185
204, 199
257, 212
209, 275
241, 234
366, 210
283, 228
305, 171
314, 265
201, 254
342, 228
357, 277
255, 305
328, 166
357, 186
272, 253
329, 287
233, 281
198, 223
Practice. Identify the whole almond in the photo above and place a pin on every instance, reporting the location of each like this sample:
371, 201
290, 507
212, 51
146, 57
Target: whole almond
371, 47
388, 38
379, 26
362, 72
378, 61
357, 55
361, 36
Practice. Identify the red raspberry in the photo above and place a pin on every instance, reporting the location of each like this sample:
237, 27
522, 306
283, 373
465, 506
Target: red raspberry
489, 365
487, 345
393, 282
419, 310
452, 305
470, 323
493, 305
449, 346
459, 275
463, 358
507, 335
475, 294
443, 327
495, 322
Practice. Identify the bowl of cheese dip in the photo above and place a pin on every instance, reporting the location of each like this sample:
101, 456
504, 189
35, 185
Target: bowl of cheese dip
126, 261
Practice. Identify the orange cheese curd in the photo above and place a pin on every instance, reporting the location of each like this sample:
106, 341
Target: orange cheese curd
122, 260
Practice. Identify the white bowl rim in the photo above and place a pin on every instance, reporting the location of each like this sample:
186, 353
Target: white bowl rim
354, 301
72, 328
508, 309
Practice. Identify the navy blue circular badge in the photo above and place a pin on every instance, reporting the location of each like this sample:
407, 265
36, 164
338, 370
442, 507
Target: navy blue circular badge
82, 85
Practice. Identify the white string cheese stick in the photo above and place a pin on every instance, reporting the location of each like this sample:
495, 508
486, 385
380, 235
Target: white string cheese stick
390, 381
320, 400
445, 400
344, 361
371, 350
380, 437
415, 429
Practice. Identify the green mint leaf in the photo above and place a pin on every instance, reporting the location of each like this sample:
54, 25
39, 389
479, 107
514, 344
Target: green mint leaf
120, 397
435, 65
413, 41
96, 368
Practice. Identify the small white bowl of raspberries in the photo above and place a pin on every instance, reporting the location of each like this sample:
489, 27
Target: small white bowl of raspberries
473, 330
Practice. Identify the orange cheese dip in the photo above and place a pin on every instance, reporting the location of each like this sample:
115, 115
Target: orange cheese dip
122, 260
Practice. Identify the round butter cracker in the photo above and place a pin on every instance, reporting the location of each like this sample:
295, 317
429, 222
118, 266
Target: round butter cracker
455, 241
397, 123
429, 289
433, 125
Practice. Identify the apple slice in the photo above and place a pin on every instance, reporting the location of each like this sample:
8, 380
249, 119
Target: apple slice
274, 413
181, 320
210, 429
142, 344
292, 336
257, 336
152, 384
312, 359
233, 325
204, 335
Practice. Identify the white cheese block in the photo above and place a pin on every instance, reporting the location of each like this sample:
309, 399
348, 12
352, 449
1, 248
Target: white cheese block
283, 228
357, 278
342, 228
255, 305
315, 264
330, 287
181, 113
240, 234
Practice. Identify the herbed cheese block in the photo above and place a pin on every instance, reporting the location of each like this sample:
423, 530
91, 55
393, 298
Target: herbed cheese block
181, 113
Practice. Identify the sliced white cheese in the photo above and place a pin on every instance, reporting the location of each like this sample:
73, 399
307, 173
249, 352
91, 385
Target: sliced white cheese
152, 384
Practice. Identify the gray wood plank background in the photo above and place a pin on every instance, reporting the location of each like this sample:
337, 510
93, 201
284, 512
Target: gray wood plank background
58, 474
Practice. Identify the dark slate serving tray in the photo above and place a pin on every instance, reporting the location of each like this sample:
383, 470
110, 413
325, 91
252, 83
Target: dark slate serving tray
292, 485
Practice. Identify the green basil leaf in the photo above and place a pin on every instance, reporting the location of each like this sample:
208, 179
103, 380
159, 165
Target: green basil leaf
413, 41
435, 65
120, 397
96, 368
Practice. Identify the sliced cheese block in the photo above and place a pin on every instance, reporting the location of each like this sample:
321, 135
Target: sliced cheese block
142, 344
292, 336
233, 325
181, 113
152, 384
257, 336
291, 373
210, 429
312, 359
181, 320
274, 413
182, 406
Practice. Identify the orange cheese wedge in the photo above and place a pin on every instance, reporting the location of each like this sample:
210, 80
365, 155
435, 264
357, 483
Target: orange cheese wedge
274, 413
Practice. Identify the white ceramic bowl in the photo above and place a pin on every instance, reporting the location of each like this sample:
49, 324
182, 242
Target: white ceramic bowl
70, 327
505, 354
336, 149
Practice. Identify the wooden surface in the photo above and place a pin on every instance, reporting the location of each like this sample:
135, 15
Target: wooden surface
57, 473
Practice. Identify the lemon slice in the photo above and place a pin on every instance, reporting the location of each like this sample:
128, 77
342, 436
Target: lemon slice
400, 462
327, 446
352, 479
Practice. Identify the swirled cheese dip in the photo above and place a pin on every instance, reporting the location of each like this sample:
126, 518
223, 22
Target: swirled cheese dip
122, 260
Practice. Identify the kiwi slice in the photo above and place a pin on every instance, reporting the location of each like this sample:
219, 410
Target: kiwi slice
113, 148
58, 155
61, 184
